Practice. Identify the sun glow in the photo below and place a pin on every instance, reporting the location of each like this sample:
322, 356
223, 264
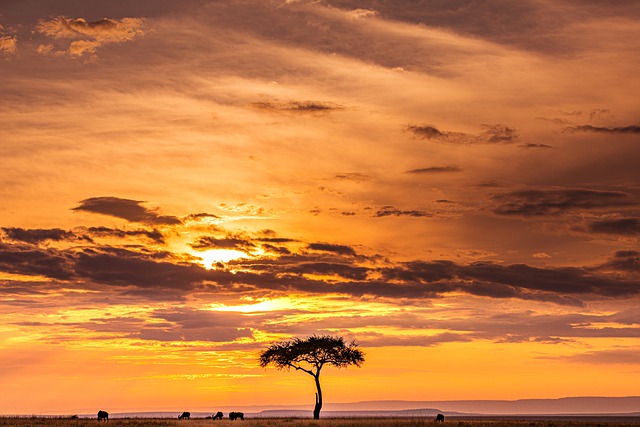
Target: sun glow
258, 306
213, 256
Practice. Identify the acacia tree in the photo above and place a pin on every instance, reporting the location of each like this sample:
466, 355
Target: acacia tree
310, 355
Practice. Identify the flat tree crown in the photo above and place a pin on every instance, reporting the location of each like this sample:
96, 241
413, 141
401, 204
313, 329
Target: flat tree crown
311, 354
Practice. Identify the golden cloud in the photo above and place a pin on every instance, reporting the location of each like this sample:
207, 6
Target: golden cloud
89, 35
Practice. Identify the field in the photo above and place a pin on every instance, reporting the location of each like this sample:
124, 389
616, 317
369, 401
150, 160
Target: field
329, 422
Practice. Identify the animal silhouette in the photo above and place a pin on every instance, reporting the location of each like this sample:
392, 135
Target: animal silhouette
218, 416
235, 415
185, 414
103, 415
440, 418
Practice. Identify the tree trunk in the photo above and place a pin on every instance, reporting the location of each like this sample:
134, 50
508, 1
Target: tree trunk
318, 407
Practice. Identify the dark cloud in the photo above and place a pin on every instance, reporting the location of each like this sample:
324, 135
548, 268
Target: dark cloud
208, 242
435, 169
499, 281
619, 226
276, 249
153, 235
276, 240
139, 273
493, 134
554, 202
328, 247
353, 176
38, 235
629, 356
35, 236
624, 261
270, 236
298, 106
633, 129
202, 215
498, 134
326, 268
33, 261
393, 211
535, 146
127, 268
427, 132
130, 210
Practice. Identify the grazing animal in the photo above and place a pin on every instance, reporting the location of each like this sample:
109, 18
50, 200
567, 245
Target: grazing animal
440, 418
235, 415
185, 414
103, 415
218, 416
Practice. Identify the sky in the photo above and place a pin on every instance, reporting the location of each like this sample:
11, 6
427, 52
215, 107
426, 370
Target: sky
453, 185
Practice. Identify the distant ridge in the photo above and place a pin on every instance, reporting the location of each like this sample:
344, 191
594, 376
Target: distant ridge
614, 406
566, 405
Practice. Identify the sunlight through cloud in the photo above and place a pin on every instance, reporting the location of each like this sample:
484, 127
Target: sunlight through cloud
211, 257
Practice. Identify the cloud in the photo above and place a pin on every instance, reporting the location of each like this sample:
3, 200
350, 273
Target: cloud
130, 210
208, 242
619, 226
330, 269
328, 247
490, 279
541, 255
298, 106
369, 339
353, 176
103, 30
153, 235
555, 202
29, 260
88, 36
435, 169
361, 13
632, 129
141, 273
528, 25
126, 268
36, 236
80, 47
393, 211
624, 356
8, 44
185, 324
624, 261
535, 146
203, 216
493, 134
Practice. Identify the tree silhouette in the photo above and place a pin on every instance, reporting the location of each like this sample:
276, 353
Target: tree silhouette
310, 355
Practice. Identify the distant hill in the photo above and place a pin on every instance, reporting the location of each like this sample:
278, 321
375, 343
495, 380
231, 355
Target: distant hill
566, 405
616, 406
408, 413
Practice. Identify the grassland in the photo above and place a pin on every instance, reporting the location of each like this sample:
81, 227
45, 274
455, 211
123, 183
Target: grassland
329, 422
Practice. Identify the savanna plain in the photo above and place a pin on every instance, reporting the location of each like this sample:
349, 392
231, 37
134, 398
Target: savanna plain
328, 422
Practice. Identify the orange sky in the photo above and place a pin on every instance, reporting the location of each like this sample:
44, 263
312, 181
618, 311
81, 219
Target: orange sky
452, 184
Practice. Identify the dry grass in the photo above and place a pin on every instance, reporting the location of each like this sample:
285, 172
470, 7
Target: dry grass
328, 422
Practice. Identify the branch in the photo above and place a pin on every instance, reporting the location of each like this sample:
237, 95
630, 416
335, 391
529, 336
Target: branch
300, 368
